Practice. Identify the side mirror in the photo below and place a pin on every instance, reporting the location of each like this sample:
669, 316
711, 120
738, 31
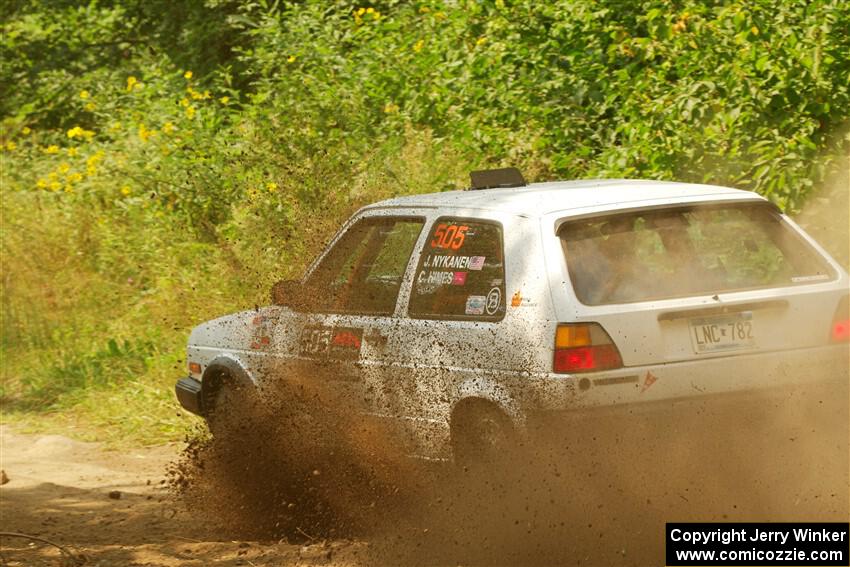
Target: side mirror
286, 292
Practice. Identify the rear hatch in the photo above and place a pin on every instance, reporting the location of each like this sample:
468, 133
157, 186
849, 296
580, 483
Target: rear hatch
680, 283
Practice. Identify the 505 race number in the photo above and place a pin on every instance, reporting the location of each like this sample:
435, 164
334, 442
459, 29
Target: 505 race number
449, 236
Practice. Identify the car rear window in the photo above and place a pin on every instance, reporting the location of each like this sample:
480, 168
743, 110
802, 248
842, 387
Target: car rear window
684, 251
461, 272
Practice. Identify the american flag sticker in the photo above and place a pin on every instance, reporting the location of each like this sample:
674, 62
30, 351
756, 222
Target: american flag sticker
476, 262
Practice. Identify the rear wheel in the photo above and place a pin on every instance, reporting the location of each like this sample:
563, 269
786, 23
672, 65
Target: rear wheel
482, 435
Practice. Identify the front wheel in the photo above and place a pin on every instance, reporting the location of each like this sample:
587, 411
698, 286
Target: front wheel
232, 411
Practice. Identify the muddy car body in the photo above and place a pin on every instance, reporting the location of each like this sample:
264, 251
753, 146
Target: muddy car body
454, 317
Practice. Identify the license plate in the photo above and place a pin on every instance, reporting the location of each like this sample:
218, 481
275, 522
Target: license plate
722, 332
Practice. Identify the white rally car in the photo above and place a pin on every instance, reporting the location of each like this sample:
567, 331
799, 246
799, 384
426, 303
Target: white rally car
458, 318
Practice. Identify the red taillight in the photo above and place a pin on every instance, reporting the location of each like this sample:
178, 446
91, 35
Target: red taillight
841, 331
584, 347
841, 321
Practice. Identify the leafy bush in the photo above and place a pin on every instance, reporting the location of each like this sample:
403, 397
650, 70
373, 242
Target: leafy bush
163, 163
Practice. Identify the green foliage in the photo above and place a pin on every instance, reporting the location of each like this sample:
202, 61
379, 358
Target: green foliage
88, 370
163, 163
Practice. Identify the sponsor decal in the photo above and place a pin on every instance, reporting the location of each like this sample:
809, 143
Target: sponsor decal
346, 343
494, 301
435, 278
616, 380
648, 381
815, 278
345, 339
260, 334
450, 262
475, 305
516, 299
476, 262
339, 342
459, 278
314, 341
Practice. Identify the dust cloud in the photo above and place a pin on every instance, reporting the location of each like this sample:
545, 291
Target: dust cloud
826, 215
298, 467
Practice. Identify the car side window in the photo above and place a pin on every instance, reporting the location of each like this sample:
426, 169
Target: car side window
461, 272
362, 273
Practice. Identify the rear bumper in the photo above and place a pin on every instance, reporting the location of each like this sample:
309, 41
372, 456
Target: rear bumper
637, 389
189, 395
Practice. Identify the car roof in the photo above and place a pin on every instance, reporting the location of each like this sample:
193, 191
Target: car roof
538, 199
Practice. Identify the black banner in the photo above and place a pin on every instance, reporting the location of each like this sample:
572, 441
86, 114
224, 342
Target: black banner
758, 544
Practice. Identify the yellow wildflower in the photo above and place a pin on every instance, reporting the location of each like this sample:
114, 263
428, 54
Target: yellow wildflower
361, 11
72, 152
84, 94
440, 16
41, 183
145, 134
25, 130
190, 112
195, 94
290, 59
10, 145
271, 186
52, 149
126, 189
75, 132
755, 30
69, 188
184, 102
75, 177
370, 10
390, 108
64, 167
207, 95
55, 186
187, 75
481, 41
92, 161
224, 99
682, 23
90, 106
417, 47
168, 128
376, 15
131, 82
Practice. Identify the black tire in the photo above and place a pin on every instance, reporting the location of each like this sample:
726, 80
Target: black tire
232, 411
482, 436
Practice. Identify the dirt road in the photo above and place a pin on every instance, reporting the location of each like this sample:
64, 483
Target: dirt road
59, 489
603, 505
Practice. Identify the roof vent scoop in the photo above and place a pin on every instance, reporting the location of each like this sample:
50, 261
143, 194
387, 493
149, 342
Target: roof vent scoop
496, 178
